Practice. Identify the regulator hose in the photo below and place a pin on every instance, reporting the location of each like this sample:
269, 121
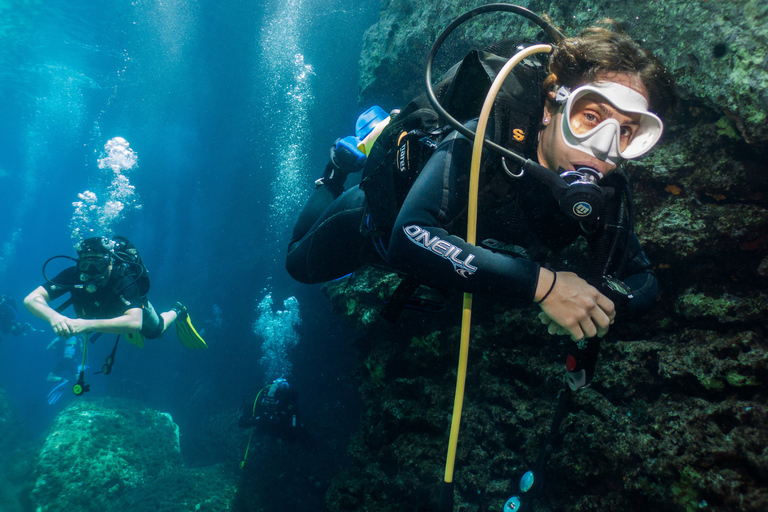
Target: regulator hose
555, 35
446, 492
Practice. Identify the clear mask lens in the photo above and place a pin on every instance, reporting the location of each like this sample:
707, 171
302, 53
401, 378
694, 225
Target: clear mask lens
93, 266
604, 141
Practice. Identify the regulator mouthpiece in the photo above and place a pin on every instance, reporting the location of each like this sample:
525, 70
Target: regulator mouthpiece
583, 199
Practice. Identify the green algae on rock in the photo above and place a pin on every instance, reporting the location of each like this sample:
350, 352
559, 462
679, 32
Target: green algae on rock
112, 454
99, 449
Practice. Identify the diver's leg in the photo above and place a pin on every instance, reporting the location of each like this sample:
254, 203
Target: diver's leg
154, 325
327, 189
168, 318
318, 202
333, 245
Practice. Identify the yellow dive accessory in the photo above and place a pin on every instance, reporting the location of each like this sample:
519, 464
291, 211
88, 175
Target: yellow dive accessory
188, 334
250, 436
474, 180
445, 502
135, 338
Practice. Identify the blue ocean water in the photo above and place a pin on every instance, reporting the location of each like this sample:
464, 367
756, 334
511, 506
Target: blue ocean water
227, 109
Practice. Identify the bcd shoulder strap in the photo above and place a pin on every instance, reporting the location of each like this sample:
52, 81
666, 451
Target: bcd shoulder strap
406, 144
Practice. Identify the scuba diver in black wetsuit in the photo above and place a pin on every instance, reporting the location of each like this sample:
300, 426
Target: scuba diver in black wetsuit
108, 289
108, 295
276, 479
9, 318
593, 110
549, 172
275, 412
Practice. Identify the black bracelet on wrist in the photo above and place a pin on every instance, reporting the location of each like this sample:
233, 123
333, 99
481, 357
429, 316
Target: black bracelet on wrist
554, 280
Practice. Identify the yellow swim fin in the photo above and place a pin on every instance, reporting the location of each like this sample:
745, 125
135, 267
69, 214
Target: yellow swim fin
186, 331
135, 338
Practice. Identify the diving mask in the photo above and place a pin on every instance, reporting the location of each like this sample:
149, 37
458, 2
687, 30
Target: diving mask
604, 140
93, 265
94, 271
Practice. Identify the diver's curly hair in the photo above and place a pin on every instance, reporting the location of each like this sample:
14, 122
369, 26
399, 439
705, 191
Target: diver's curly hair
597, 50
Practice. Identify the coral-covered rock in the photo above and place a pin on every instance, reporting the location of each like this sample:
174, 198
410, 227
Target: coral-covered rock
670, 423
107, 454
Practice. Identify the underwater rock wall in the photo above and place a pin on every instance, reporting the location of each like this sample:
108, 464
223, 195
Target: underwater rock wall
675, 418
717, 50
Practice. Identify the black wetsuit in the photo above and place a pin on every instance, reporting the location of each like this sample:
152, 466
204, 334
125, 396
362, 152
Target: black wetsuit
119, 295
275, 414
428, 239
275, 475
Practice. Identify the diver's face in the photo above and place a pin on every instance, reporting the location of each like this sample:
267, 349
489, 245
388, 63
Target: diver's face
93, 265
95, 269
586, 113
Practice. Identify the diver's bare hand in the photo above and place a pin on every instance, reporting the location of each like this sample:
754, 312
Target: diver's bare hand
79, 325
552, 327
62, 326
575, 307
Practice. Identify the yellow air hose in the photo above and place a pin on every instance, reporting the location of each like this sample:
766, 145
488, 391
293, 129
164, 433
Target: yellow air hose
250, 436
474, 181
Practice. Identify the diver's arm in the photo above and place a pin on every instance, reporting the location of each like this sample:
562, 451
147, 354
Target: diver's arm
422, 247
128, 322
37, 304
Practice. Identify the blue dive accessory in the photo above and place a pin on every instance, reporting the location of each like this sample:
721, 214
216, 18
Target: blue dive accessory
346, 156
56, 392
526, 483
368, 120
